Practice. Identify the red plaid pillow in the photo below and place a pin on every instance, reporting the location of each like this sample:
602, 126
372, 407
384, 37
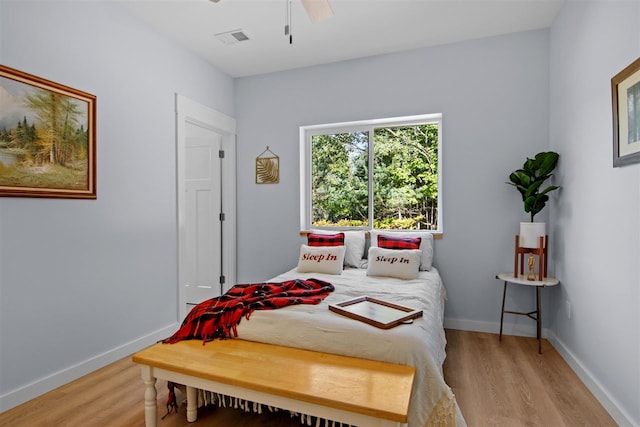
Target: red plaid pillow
388, 242
315, 239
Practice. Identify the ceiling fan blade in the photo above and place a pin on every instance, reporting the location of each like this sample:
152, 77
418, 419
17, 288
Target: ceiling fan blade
317, 9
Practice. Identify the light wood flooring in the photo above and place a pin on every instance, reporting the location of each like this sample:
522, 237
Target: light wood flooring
509, 384
496, 384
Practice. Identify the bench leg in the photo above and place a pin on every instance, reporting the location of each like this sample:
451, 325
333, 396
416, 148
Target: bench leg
150, 397
192, 404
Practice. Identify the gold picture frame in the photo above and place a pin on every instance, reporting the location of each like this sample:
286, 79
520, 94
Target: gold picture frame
625, 98
267, 168
47, 138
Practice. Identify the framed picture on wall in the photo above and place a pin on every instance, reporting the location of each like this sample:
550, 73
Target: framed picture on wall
47, 138
625, 95
267, 168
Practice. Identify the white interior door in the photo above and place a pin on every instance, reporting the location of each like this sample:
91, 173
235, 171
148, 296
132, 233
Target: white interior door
203, 178
206, 203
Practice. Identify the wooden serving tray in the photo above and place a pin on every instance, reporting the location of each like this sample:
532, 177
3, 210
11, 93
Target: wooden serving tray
375, 312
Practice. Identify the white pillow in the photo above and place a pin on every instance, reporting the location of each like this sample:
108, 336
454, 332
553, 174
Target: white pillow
321, 259
426, 244
400, 263
354, 241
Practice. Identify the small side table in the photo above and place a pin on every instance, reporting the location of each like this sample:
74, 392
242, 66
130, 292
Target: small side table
537, 313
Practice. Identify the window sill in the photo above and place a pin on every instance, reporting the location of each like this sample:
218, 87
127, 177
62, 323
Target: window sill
436, 235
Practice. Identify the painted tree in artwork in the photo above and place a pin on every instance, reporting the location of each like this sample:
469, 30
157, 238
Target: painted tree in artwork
24, 136
60, 140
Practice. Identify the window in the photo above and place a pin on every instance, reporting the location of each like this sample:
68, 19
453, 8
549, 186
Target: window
375, 174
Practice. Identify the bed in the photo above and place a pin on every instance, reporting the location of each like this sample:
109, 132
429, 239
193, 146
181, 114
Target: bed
420, 344
397, 273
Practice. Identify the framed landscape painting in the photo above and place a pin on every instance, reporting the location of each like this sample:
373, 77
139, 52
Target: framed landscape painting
47, 138
625, 95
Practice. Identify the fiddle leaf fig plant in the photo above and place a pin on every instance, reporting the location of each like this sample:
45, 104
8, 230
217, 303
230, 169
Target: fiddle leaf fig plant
529, 179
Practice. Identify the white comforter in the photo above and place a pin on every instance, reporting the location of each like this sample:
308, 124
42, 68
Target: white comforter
420, 344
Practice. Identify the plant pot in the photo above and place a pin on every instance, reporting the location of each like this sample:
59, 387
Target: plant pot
530, 233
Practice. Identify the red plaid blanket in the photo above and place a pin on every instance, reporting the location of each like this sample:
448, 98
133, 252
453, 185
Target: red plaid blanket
218, 317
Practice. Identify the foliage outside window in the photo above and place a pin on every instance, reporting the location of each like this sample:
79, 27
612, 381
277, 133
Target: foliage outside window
380, 174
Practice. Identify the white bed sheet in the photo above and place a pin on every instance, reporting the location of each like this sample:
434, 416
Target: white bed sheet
420, 344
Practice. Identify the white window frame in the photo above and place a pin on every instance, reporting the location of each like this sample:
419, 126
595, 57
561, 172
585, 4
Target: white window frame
307, 132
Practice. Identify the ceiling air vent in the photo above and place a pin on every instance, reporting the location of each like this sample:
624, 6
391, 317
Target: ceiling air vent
233, 37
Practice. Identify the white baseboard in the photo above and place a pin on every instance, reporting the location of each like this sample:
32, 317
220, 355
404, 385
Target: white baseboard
621, 418
46, 384
610, 405
527, 329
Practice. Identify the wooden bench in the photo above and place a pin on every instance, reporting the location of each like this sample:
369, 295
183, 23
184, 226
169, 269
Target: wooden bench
349, 390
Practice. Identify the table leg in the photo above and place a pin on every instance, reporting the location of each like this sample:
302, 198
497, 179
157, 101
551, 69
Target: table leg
192, 404
504, 296
539, 319
150, 397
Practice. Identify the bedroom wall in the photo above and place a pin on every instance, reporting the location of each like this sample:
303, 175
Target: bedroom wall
84, 282
89, 280
493, 94
596, 217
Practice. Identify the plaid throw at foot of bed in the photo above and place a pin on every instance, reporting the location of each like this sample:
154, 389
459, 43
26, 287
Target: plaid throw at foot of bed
218, 317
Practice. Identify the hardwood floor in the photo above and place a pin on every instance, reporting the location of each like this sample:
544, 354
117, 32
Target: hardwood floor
509, 384
496, 384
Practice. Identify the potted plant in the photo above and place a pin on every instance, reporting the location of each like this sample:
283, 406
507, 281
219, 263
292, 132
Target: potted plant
528, 181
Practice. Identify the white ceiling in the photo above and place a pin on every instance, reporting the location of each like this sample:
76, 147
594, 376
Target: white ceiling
357, 29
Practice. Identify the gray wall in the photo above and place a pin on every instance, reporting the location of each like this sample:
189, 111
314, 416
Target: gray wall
502, 99
80, 279
493, 94
597, 215
83, 279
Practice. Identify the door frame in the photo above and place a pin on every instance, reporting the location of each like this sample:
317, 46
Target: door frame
189, 111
